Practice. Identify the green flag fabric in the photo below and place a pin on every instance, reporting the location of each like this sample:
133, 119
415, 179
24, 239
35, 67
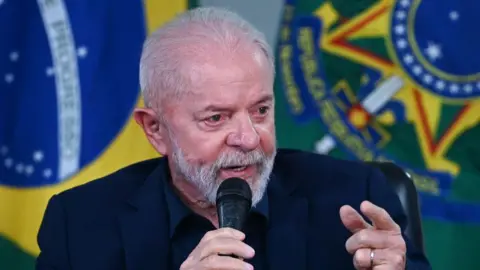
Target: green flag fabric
395, 81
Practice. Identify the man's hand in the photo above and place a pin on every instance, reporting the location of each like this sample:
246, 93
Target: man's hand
221, 241
377, 247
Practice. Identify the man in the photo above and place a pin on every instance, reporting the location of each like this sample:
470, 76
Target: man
207, 78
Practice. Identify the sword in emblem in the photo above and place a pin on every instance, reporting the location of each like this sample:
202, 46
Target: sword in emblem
372, 103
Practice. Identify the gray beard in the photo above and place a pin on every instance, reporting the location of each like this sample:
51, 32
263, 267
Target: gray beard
205, 177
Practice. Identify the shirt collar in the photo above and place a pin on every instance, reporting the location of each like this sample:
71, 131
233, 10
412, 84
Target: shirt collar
178, 210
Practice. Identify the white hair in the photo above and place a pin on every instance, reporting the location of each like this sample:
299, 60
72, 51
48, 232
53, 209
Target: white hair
164, 66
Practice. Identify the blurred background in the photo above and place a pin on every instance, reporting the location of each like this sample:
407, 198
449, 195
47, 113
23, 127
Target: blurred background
391, 80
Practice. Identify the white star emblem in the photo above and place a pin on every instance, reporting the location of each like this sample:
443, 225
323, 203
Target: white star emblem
417, 70
9, 78
427, 78
440, 85
400, 14
8, 162
19, 168
37, 156
29, 170
454, 88
408, 59
405, 3
50, 71
13, 56
47, 173
82, 52
468, 88
453, 15
402, 43
400, 29
433, 51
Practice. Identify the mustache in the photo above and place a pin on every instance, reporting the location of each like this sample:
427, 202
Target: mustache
239, 159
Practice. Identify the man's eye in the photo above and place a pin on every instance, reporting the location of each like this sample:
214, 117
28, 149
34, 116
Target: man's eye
215, 118
263, 110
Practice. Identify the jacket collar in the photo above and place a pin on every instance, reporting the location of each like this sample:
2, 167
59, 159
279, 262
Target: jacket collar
146, 234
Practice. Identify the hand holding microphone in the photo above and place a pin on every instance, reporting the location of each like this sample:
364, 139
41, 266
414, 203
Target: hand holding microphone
234, 199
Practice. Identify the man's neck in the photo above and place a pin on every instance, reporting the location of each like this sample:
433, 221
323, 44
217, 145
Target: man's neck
194, 200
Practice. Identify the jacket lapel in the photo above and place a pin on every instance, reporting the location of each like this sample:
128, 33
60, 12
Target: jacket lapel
287, 236
143, 225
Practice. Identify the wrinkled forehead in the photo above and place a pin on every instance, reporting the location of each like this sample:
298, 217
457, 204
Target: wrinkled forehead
229, 65
237, 77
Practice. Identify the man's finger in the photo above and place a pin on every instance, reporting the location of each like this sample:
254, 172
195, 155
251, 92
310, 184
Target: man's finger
219, 262
379, 217
371, 238
223, 232
227, 246
391, 257
352, 220
361, 259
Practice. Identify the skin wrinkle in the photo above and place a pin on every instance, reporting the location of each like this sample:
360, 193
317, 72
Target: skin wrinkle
227, 70
209, 63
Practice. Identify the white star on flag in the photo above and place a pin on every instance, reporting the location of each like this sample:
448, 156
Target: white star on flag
400, 29
47, 173
454, 88
408, 59
405, 3
29, 170
400, 14
440, 85
454, 15
417, 70
49, 71
433, 51
427, 78
38, 156
14, 56
468, 88
82, 52
19, 168
8, 162
9, 77
402, 43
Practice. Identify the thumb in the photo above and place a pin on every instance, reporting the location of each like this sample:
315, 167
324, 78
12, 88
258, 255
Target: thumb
352, 220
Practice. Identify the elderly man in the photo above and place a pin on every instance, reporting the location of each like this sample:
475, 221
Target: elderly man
207, 78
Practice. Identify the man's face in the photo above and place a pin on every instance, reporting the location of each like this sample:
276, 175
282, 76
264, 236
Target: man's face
225, 127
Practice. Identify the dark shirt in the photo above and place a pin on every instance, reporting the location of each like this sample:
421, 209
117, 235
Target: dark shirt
187, 229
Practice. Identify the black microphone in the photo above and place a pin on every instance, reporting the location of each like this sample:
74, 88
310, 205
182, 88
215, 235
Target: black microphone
234, 201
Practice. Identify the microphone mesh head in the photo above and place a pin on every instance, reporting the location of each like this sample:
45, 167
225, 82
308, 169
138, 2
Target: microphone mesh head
232, 187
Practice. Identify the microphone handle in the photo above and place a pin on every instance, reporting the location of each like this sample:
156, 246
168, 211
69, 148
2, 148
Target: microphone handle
232, 214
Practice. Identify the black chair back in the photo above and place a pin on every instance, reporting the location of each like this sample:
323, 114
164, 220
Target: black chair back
403, 185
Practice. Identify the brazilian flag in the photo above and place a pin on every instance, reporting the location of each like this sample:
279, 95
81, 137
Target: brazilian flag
68, 85
394, 80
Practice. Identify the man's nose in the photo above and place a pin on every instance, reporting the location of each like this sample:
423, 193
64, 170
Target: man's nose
245, 136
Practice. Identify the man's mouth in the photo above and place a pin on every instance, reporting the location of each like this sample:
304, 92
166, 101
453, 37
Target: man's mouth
242, 171
236, 168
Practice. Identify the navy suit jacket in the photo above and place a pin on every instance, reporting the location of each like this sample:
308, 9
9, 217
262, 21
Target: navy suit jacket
121, 221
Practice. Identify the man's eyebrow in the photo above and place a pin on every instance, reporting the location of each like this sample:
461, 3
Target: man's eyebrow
214, 108
264, 99
223, 108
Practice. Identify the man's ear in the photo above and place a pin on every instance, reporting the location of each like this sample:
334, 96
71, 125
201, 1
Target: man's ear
148, 120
